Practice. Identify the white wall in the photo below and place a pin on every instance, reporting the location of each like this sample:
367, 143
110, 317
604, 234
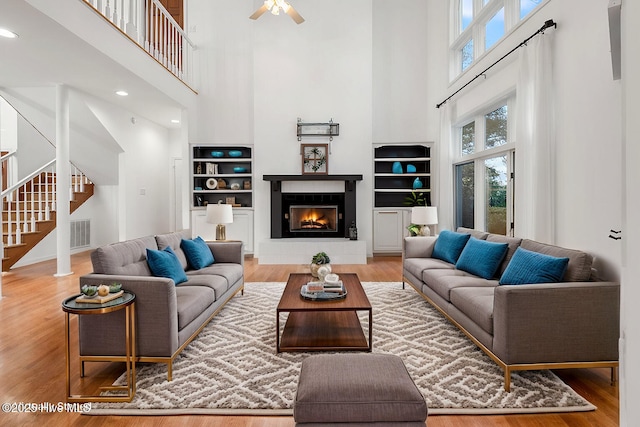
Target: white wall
258, 77
143, 205
588, 122
401, 71
142, 159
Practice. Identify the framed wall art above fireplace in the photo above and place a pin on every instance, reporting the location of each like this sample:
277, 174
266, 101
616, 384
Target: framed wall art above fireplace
315, 159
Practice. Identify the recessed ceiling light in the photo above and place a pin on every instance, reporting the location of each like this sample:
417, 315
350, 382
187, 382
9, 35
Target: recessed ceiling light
122, 93
8, 34
175, 121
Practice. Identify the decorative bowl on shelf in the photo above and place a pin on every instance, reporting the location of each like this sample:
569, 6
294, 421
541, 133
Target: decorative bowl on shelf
217, 154
239, 169
235, 153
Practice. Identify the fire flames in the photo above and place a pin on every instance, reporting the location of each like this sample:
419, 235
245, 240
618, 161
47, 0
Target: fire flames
314, 219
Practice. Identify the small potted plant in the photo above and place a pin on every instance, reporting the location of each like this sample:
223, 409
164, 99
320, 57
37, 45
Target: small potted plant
320, 259
414, 229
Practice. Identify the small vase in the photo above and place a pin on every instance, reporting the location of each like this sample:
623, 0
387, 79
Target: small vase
314, 268
396, 167
417, 184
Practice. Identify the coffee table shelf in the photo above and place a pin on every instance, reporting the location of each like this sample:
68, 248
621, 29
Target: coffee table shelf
323, 325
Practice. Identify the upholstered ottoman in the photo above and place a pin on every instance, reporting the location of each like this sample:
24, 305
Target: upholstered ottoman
359, 389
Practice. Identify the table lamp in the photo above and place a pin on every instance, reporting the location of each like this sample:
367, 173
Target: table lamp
424, 216
220, 214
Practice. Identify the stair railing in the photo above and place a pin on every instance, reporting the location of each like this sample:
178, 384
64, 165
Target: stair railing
8, 162
152, 27
37, 192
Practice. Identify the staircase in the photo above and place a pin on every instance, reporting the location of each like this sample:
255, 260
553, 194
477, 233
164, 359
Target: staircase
28, 210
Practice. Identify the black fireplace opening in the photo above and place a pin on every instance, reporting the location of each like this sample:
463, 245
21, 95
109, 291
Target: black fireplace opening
313, 215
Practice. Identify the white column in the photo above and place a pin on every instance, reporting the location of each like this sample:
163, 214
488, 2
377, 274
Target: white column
630, 293
63, 183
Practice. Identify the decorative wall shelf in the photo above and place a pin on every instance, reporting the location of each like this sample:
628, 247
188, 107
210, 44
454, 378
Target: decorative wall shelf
221, 173
391, 188
328, 129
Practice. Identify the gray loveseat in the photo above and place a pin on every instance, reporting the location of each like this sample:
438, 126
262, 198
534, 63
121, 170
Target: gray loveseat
573, 323
168, 316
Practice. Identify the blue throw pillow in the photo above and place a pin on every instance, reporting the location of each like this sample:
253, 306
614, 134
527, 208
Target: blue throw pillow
481, 258
165, 263
197, 252
533, 267
449, 245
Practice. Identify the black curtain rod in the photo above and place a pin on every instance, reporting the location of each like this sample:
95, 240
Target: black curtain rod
547, 24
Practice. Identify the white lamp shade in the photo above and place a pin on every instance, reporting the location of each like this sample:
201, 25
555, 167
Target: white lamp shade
219, 214
424, 215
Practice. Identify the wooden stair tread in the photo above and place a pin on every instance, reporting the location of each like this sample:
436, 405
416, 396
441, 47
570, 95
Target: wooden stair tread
43, 226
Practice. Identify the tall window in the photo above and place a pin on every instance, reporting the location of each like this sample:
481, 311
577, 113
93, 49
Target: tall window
484, 172
481, 24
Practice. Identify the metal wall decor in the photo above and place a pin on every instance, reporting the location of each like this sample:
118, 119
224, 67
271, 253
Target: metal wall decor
329, 129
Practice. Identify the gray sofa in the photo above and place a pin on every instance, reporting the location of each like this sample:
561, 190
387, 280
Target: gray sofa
571, 324
167, 316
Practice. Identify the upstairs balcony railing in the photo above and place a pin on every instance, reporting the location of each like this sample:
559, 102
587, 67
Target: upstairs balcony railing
148, 24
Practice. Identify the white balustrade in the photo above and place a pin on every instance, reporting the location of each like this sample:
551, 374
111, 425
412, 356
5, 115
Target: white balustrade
33, 199
152, 27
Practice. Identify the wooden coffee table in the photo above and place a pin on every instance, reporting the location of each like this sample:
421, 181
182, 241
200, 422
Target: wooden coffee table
323, 325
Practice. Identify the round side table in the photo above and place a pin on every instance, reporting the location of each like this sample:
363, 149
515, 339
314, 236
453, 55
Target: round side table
124, 302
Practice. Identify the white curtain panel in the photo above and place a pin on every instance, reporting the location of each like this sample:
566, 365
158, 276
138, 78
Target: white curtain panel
535, 141
446, 155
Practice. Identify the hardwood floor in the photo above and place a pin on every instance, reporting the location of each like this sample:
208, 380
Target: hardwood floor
32, 362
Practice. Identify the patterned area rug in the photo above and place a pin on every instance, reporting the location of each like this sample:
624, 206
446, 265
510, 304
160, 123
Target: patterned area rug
232, 367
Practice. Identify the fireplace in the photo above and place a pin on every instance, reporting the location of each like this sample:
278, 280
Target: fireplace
312, 213
313, 218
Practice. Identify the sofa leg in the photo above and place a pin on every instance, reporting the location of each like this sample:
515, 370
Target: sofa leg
614, 375
170, 370
403, 284
507, 380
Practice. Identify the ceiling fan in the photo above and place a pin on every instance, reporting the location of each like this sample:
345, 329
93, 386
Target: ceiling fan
274, 6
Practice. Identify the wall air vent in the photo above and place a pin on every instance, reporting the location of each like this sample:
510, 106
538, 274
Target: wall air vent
80, 232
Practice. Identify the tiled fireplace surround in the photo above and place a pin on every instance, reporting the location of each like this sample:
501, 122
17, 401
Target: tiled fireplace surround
297, 247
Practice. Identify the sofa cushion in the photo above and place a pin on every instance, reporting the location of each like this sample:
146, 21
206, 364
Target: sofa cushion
513, 242
228, 271
481, 235
217, 283
443, 281
449, 245
126, 258
579, 268
528, 267
173, 241
481, 258
164, 263
477, 304
197, 252
192, 301
416, 266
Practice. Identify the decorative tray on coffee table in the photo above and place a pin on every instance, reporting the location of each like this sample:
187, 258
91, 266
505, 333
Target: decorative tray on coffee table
321, 291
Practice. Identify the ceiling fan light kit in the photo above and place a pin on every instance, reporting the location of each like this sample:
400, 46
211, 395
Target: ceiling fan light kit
274, 6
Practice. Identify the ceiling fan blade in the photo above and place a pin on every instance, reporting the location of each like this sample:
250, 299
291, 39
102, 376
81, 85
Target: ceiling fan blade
258, 13
294, 15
